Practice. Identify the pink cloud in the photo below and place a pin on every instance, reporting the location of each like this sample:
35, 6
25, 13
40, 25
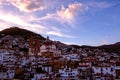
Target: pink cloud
68, 14
28, 5
1, 1
15, 20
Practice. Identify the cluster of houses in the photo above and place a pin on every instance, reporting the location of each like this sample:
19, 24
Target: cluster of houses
47, 61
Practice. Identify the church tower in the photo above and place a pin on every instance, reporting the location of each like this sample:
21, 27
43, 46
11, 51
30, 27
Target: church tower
34, 45
31, 45
37, 45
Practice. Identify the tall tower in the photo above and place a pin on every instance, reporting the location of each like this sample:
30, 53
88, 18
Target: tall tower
37, 45
31, 45
34, 45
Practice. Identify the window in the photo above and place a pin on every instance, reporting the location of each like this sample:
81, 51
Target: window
101, 69
106, 68
69, 74
111, 69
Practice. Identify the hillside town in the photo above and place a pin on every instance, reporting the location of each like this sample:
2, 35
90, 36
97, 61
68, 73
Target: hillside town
48, 60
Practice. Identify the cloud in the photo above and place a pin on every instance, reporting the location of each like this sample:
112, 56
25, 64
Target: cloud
59, 34
43, 24
4, 25
68, 14
28, 5
100, 5
16, 20
1, 2
7, 19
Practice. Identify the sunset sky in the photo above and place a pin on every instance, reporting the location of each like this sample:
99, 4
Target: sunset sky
82, 22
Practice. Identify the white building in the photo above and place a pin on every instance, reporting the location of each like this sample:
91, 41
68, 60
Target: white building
7, 59
48, 46
41, 76
104, 69
47, 49
68, 72
47, 68
83, 66
72, 57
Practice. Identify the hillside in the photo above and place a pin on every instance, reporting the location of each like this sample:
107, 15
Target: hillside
23, 36
111, 48
107, 48
17, 39
15, 31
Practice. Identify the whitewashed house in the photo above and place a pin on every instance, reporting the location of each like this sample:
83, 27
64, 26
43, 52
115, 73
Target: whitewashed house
68, 72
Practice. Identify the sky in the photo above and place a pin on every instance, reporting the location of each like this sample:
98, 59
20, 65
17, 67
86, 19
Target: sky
80, 22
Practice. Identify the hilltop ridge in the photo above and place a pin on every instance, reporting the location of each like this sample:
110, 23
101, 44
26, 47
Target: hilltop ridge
19, 31
25, 34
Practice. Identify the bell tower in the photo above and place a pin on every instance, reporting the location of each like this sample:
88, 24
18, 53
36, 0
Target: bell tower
34, 45
37, 45
31, 45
